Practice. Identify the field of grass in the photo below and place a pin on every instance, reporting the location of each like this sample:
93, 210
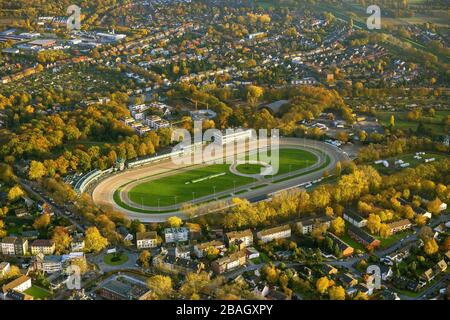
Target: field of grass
180, 188
175, 189
385, 243
294, 159
432, 123
114, 259
249, 168
327, 162
37, 292
356, 245
406, 158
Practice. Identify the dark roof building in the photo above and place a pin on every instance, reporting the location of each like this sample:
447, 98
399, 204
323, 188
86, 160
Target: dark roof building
363, 237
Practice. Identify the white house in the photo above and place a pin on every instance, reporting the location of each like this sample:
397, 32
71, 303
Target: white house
176, 234
201, 248
20, 284
355, 219
145, 240
271, 234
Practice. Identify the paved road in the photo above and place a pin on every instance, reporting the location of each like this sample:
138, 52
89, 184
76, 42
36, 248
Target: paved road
42, 197
103, 194
104, 267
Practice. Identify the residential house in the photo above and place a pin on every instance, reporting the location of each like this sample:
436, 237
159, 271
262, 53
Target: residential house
363, 288
145, 240
152, 120
447, 255
172, 264
398, 255
441, 266
346, 249
431, 273
347, 280
252, 253
77, 243
8, 246
176, 234
389, 295
276, 295
351, 291
280, 232
386, 272
14, 246
306, 226
363, 237
408, 284
355, 219
21, 212
48, 263
57, 280
328, 269
229, 262
261, 289
127, 236
20, 284
400, 225
242, 239
428, 275
305, 272
30, 235
201, 249
180, 252
43, 246
18, 296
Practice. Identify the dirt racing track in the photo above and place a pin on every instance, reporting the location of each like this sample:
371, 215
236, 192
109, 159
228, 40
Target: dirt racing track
104, 193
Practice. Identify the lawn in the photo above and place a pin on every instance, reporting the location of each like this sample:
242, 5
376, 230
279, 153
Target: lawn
356, 245
295, 159
385, 243
114, 259
38, 292
249, 168
401, 121
406, 158
179, 188
184, 186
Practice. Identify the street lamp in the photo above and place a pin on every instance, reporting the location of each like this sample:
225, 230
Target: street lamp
214, 187
234, 186
175, 197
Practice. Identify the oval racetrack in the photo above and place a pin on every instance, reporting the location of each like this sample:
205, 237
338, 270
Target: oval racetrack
103, 193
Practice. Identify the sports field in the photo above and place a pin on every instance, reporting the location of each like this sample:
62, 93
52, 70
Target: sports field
196, 183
